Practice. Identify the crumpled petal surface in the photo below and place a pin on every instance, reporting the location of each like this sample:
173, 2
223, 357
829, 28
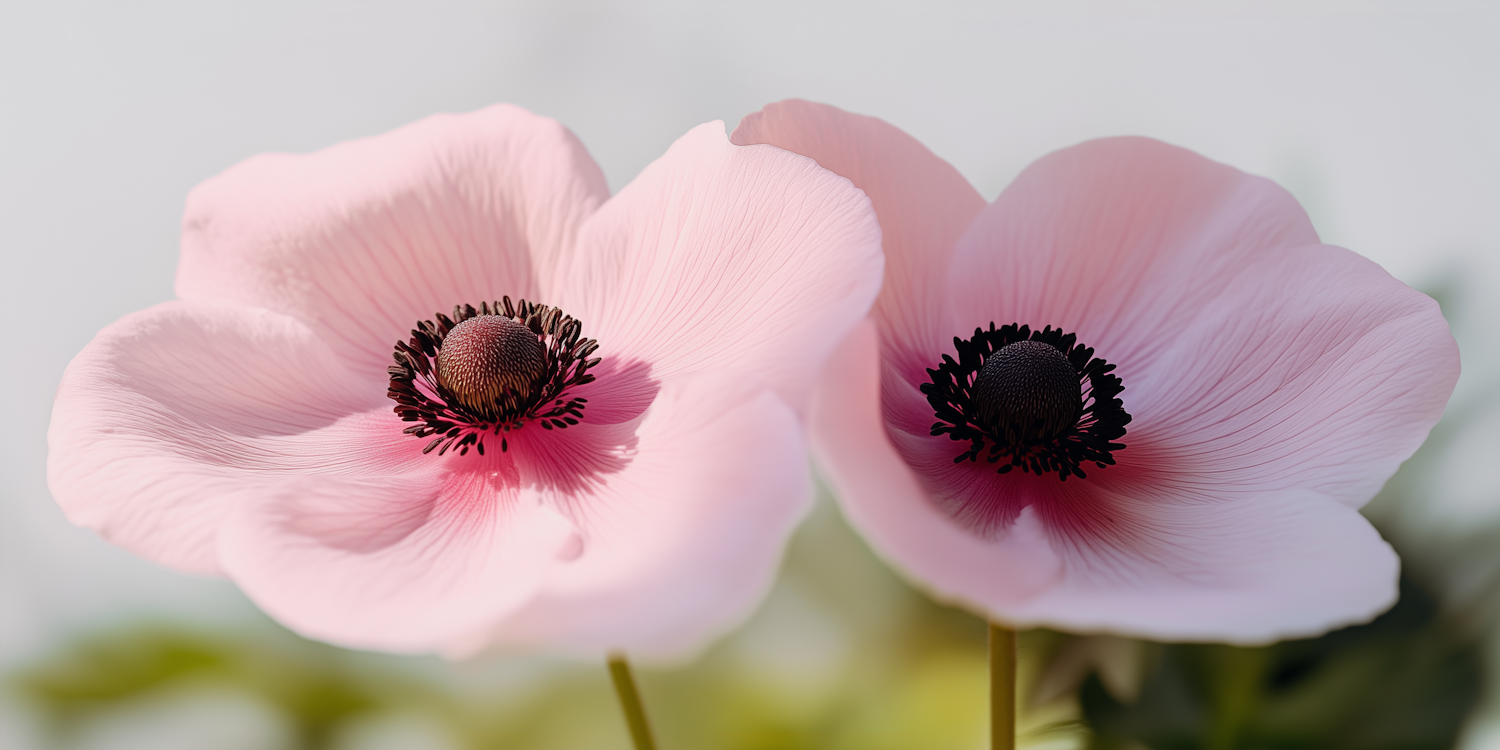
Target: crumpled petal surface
246, 430
1275, 383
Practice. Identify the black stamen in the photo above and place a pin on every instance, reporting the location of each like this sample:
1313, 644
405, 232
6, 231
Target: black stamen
1034, 400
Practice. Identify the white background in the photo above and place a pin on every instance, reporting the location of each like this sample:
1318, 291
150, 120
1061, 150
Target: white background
1382, 117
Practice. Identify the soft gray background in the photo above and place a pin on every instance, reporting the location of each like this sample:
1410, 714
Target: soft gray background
1383, 117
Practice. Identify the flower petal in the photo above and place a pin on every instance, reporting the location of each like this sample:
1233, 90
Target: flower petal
923, 203
171, 410
1314, 370
885, 501
750, 261
399, 563
682, 542
1240, 568
1156, 547
1275, 384
363, 239
1122, 241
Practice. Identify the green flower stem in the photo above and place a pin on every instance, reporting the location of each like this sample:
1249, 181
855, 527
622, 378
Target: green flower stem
630, 700
1002, 687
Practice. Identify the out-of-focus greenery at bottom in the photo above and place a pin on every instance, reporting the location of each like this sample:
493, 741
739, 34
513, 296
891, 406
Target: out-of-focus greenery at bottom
842, 655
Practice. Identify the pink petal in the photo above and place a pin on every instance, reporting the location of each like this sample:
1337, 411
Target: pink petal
1274, 383
923, 203
1237, 568
398, 563
171, 410
1122, 241
1250, 354
887, 503
1182, 562
1155, 547
363, 239
682, 542
749, 261
1315, 370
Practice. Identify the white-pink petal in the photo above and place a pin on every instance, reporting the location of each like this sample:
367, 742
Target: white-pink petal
363, 239
680, 544
923, 203
742, 261
404, 563
246, 430
171, 409
1122, 241
1276, 383
1218, 564
1240, 568
1314, 370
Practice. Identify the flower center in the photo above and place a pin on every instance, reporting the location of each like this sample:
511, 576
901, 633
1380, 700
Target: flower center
491, 369
489, 359
1028, 393
1034, 400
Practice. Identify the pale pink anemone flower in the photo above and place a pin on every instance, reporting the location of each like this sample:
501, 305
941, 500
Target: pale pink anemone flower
1271, 384
614, 463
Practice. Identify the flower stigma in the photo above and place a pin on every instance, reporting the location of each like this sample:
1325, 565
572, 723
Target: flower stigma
490, 370
1034, 400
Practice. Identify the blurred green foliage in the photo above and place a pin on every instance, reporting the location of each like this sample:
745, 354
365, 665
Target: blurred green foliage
96, 673
1403, 682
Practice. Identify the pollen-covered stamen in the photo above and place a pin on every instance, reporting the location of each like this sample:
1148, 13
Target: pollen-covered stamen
1037, 401
487, 357
1028, 393
491, 369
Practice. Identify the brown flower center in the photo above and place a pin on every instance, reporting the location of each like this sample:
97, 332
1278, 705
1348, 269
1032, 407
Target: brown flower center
490, 359
489, 370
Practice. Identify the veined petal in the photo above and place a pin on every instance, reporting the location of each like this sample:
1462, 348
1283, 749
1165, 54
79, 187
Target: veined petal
681, 542
1315, 370
1240, 567
363, 239
247, 429
1150, 547
1275, 384
399, 563
169, 411
923, 203
1146, 552
1122, 241
745, 261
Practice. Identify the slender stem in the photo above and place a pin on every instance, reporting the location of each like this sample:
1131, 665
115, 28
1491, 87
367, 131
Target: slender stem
630, 700
1002, 687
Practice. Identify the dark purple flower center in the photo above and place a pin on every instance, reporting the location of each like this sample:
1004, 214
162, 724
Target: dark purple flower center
1034, 400
1028, 393
490, 370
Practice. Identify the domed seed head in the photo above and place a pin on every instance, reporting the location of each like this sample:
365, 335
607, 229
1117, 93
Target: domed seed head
1028, 392
485, 357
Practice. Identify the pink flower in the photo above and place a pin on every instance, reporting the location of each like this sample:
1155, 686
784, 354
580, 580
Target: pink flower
1178, 443
611, 463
